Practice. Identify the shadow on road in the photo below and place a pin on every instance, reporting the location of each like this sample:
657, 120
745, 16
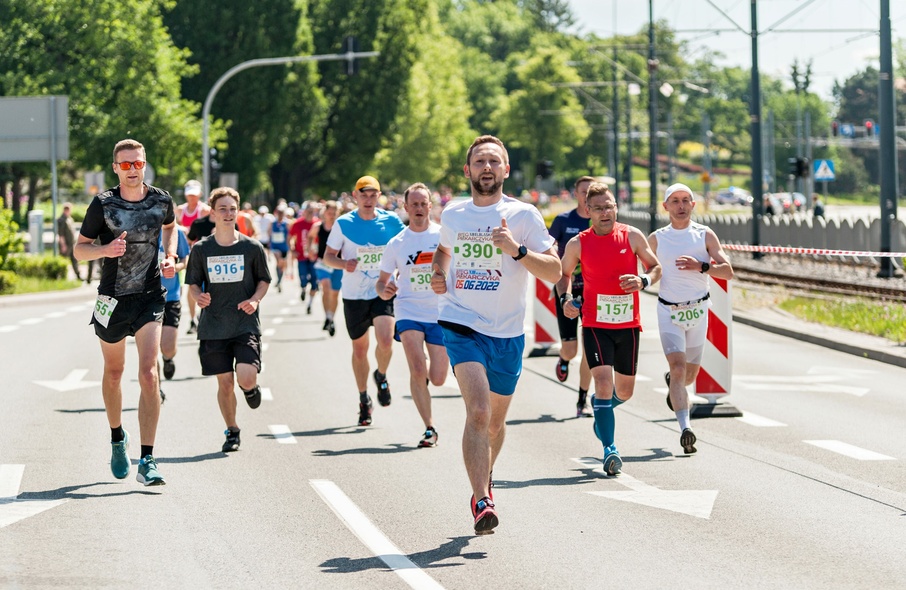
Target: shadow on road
69, 493
542, 419
322, 432
424, 559
388, 450
84, 410
195, 459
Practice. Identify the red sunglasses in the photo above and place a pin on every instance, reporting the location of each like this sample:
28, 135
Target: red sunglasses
138, 164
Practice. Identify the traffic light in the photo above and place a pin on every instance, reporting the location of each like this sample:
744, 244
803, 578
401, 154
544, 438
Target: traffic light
544, 169
802, 167
869, 128
792, 166
835, 128
214, 168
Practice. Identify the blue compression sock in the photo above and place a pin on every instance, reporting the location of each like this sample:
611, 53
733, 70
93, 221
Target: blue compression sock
616, 401
604, 420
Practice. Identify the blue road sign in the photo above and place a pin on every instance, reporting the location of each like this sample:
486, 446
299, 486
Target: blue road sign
824, 170
847, 130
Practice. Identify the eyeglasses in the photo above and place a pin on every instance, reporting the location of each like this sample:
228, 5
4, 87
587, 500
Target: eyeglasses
138, 165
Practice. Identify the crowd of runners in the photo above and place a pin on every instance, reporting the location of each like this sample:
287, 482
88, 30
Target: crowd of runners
449, 287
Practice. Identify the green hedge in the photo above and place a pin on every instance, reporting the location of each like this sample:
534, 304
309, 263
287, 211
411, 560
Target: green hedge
8, 281
47, 266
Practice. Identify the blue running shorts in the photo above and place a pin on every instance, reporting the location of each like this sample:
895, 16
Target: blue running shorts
501, 357
433, 332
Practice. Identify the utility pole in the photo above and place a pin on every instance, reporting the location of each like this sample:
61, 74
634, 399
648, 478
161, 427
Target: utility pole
629, 145
616, 124
652, 120
755, 131
887, 120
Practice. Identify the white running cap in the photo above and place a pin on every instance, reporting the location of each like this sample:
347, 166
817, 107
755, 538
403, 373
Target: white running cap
676, 188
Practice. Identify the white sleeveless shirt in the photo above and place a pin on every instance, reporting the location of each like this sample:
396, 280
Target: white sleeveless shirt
679, 286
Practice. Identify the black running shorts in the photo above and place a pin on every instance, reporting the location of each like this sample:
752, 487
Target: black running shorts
360, 313
221, 356
618, 348
172, 313
132, 312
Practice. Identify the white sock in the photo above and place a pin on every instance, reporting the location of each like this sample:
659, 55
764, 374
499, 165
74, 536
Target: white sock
682, 416
329, 315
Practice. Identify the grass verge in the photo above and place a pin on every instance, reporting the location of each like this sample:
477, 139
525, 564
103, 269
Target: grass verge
35, 285
884, 319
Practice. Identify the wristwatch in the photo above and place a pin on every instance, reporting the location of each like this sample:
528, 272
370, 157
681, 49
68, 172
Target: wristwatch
705, 267
523, 251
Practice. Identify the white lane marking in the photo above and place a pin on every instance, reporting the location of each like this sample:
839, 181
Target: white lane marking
266, 394
278, 321
30, 321
698, 503
10, 478
11, 509
54, 314
758, 421
269, 332
6, 329
76, 308
70, 382
372, 537
285, 311
849, 450
265, 346
283, 434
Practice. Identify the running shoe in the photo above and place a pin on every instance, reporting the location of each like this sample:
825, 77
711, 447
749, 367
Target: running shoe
687, 440
562, 370
331, 328
253, 397
613, 464
279, 288
302, 294
326, 324
148, 475
119, 459
193, 328
163, 396
485, 516
430, 439
308, 309
667, 379
169, 369
383, 389
582, 410
232, 441
365, 413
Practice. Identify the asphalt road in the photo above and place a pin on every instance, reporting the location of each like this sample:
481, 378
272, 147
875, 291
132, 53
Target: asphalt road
807, 490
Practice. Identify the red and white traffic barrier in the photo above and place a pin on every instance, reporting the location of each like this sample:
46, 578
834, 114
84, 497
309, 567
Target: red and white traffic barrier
713, 380
544, 312
818, 251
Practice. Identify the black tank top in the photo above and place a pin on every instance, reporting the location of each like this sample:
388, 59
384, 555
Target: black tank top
322, 240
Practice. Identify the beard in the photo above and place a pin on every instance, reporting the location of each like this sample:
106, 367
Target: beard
493, 189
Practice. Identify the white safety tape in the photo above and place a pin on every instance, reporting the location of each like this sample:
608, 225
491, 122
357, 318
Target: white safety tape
819, 251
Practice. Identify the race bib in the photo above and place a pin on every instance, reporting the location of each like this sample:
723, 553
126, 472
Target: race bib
369, 257
226, 269
420, 277
688, 315
614, 309
103, 309
278, 238
475, 250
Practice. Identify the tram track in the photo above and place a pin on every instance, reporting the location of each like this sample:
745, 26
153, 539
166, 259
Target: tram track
824, 283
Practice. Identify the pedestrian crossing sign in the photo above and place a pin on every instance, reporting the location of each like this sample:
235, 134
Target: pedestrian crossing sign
824, 170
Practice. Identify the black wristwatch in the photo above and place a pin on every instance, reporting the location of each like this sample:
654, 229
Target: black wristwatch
523, 251
705, 267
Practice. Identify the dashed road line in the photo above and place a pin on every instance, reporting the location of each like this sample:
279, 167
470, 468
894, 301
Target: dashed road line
372, 537
852, 451
282, 434
266, 394
759, 421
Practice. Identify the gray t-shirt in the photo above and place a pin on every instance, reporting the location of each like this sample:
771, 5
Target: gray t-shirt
231, 275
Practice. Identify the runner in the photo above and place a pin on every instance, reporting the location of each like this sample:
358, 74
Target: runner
690, 252
609, 252
489, 245
278, 233
305, 256
233, 271
360, 237
410, 253
564, 227
172, 307
128, 220
330, 279
187, 214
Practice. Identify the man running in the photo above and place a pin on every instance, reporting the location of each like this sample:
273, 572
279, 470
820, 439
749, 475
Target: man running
278, 237
489, 245
564, 227
305, 256
233, 271
128, 220
691, 252
609, 253
172, 307
330, 279
360, 237
410, 253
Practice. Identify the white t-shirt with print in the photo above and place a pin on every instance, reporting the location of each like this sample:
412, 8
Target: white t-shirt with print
363, 240
486, 289
411, 253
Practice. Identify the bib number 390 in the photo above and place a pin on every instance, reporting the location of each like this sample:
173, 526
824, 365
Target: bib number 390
476, 251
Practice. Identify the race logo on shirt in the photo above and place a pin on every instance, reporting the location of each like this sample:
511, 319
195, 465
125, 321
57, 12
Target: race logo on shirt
423, 257
477, 280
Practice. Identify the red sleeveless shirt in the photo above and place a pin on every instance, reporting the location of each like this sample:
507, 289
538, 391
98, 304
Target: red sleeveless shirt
604, 259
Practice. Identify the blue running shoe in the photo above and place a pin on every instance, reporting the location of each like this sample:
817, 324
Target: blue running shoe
119, 459
613, 464
148, 475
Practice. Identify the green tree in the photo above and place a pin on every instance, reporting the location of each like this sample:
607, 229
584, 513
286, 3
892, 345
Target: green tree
122, 77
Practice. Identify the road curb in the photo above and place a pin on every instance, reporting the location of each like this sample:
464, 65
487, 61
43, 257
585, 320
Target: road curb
80, 293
